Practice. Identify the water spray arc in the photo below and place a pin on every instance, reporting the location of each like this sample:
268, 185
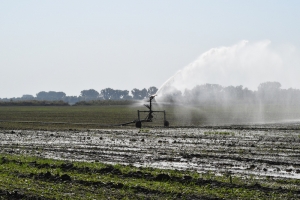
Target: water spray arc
244, 63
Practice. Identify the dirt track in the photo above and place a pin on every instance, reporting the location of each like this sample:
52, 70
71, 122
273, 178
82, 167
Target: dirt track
272, 150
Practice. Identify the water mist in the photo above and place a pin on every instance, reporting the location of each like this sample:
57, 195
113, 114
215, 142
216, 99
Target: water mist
224, 85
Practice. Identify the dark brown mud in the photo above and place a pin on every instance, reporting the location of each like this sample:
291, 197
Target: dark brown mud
17, 195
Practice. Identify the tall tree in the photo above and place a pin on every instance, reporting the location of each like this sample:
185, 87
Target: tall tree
139, 94
151, 90
42, 95
111, 94
56, 96
27, 97
50, 96
90, 94
269, 91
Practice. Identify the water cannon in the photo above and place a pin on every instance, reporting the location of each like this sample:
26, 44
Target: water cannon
150, 112
152, 96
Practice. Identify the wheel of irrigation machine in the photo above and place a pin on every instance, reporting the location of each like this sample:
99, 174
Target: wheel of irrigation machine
138, 124
166, 123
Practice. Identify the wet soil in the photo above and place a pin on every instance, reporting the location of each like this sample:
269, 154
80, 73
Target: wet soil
271, 150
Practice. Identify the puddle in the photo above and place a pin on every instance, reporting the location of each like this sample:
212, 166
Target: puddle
270, 152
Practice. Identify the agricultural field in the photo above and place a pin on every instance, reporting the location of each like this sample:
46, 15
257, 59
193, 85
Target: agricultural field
76, 153
93, 117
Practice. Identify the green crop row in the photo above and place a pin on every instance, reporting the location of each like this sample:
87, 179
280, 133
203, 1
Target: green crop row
56, 179
90, 117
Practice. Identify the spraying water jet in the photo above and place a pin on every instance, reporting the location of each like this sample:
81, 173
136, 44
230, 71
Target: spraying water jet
215, 82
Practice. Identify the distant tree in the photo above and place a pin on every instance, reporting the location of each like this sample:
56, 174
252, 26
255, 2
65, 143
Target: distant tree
111, 94
50, 96
27, 97
42, 95
173, 95
269, 86
56, 96
90, 94
233, 93
71, 99
139, 94
269, 91
123, 94
208, 93
151, 90
290, 96
107, 93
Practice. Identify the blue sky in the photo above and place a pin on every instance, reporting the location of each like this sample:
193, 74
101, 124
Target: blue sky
71, 45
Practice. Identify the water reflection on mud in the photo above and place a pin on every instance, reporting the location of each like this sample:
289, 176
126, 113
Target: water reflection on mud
261, 150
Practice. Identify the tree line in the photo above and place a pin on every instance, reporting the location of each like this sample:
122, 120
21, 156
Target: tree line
206, 94
214, 94
87, 95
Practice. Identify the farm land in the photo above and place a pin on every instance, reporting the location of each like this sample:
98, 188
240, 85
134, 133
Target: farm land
76, 152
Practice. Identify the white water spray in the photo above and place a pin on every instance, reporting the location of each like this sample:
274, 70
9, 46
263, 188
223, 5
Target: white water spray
244, 63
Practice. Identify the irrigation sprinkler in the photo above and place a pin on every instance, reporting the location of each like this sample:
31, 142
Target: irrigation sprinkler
149, 117
150, 112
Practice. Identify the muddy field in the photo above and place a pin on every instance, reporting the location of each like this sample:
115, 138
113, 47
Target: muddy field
262, 150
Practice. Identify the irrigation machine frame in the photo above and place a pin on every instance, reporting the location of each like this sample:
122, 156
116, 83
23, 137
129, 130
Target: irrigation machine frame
149, 117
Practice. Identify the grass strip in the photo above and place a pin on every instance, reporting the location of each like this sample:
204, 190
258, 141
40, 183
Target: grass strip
44, 177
